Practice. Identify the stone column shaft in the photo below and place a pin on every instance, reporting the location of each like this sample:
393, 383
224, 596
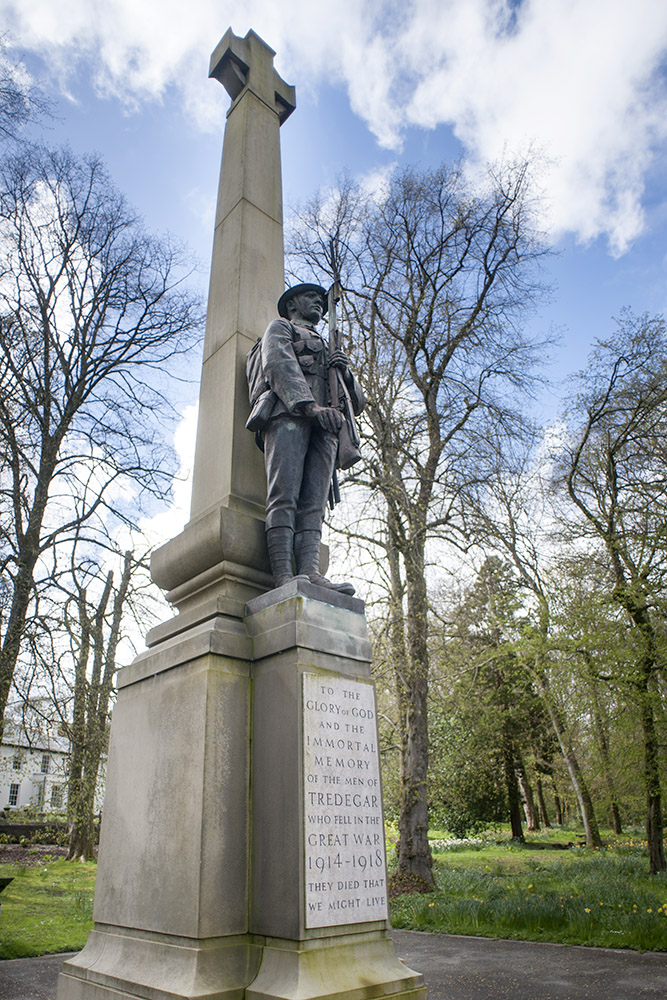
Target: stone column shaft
246, 281
207, 561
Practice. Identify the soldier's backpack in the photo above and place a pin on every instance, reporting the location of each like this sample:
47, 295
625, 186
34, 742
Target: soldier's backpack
262, 396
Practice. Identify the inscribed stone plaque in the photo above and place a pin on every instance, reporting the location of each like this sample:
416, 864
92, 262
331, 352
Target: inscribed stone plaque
345, 868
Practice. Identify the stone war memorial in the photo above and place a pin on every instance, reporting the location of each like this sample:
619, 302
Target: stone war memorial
242, 848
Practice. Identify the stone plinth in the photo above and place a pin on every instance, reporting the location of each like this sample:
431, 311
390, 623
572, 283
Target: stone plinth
322, 916
171, 896
210, 884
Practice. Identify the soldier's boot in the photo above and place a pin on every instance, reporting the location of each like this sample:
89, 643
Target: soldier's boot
280, 543
307, 552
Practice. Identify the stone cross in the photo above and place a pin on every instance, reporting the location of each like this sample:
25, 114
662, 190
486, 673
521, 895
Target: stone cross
248, 62
222, 550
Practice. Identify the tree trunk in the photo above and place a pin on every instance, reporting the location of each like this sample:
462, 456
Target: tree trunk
559, 809
541, 803
11, 642
603, 744
647, 668
82, 828
414, 852
532, 822
654, 820
512, 787
593, 838
540, 676
77, 730
28, 544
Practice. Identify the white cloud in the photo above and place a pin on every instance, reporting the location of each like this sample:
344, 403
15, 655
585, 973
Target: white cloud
169, 523
202, 204
579, 79
376, 182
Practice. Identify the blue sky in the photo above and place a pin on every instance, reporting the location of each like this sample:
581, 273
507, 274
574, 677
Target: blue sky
384, 83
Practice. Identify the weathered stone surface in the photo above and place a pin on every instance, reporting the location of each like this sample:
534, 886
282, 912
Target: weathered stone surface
350, 961
356, 967
345, 868
220, 555
277, 866
296, 618
240, 63
214, 607
247, 277
171, 906
228, 471
220, 635
119, 963
176, 811
307, 589
171, 895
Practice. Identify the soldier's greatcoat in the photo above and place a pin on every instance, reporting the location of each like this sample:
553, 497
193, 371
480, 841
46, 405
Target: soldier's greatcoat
300, 455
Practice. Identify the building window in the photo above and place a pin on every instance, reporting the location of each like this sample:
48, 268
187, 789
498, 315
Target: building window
13, 794
56, 796
17, 762
46, 760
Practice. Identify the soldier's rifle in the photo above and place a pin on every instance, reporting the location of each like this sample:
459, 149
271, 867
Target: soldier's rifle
339, 396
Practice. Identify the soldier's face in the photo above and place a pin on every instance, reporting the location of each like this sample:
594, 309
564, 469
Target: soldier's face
307, 306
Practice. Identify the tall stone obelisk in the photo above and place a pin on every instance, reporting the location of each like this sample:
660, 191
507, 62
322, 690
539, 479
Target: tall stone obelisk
238, 856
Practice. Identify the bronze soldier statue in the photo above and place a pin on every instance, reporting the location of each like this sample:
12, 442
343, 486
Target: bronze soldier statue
298, 429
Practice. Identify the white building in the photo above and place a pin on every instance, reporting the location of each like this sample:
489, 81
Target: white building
34, 762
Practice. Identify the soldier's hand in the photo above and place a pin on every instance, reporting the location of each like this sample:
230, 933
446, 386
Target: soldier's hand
339, 360
328, 417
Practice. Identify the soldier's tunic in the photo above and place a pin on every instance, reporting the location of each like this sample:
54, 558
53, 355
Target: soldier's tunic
299, 454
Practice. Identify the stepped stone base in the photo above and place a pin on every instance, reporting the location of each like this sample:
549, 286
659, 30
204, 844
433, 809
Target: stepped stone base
356, 967
118, 962
203, 876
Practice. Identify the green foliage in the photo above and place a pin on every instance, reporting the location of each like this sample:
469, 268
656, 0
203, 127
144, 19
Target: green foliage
29, 814
47, 908
485, 717
50, 836
54, 833
464, 792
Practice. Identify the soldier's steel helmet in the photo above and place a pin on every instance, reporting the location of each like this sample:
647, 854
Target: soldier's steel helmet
297, 290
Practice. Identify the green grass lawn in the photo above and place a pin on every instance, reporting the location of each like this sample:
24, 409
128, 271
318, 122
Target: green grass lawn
489, 888
47, 908
576, 896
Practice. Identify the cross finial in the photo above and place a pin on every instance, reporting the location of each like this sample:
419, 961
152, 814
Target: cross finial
240, 63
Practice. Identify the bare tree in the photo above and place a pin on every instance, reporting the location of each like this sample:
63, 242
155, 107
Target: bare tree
92, 313
87, 728
21, 102
90, 618
436, 278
